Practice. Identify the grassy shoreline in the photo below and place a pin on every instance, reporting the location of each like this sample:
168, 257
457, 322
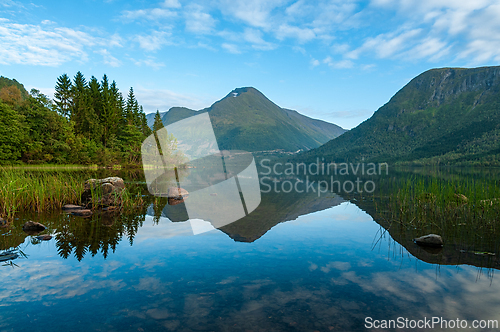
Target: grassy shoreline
22, 190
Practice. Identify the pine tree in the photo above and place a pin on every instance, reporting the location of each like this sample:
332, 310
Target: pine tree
130, 106
111, 110
144, 123
158, 123
63, 95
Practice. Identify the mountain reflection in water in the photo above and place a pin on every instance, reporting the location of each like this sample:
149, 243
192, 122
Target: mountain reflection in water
298, 262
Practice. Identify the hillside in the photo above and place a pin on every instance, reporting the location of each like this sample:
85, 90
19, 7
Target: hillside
245, 119
7, 82
443, 116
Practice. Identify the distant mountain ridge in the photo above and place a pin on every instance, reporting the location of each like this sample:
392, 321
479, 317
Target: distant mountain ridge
245, 119
442, 116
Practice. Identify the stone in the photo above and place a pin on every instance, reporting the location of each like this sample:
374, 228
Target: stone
114, 181
45, 237
82, 213
108, 191
430, 240
177, 193
31, 226
175, 201
69, 207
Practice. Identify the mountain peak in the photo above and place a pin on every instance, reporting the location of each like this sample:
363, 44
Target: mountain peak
238, 91
442, 116
245, 119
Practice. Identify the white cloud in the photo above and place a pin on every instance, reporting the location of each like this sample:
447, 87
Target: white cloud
231, 48
466, 28
256, 13
171, 4
109, 59
385, 45
148, 14
341, 64
301, 34
153, 42
163, 100
254, 37
198, 21
46, 46
150, 62
430, 47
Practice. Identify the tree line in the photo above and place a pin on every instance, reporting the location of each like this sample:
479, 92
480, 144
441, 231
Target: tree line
88, 122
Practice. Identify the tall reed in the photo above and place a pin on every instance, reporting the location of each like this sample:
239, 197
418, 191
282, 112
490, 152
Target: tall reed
21, 190
464, 210
24, 190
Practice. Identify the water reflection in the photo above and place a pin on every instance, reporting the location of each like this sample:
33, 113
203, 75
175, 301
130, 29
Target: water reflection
320, 271
298, 262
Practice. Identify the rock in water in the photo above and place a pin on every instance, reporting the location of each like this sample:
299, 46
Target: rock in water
177, 193
31, 226
45, 237
107, 191
72, 207
82, 213
430, 240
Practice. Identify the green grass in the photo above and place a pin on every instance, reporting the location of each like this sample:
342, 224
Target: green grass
23, 190
465, 211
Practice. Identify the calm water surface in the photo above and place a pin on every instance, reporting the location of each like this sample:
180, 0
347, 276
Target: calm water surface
300, 263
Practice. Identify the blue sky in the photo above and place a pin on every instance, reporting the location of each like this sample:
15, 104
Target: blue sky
334, 60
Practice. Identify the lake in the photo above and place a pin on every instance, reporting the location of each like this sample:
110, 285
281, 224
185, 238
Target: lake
299, 262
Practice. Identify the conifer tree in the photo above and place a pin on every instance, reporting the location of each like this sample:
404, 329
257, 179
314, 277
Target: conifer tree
63, 95
158, 123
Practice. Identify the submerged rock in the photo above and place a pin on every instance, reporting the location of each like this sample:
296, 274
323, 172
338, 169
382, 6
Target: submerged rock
72, 207
430, 240
175, 201
177, 193
82, 213
31, 226
45, 237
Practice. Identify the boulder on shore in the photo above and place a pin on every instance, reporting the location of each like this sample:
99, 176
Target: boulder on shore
107, 191
430, 240
31, 226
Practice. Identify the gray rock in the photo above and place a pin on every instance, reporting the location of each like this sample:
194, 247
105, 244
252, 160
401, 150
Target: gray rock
108, 191
430, 240
31, 226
